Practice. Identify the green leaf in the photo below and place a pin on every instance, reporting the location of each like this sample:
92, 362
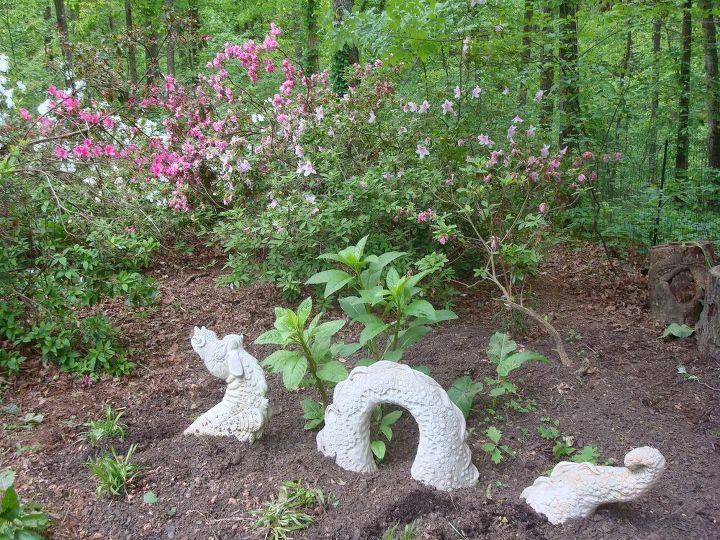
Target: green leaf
7, 479
378, 448
548, 432
499, 347
392, 278
344, 350
514, 361
276, 361
390, 418
385, 430
293, 371
372, 329
352, 306
334, 280
586, 454
332, 371
313, 413
411, 336
271, 337
493, 434
678, 330
303, 312
10, 506
462, 393
393, 356
421, 308
495, 455
150, 498
329, 328
426, 370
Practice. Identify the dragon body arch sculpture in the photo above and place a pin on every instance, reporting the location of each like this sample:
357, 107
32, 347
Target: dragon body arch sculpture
443, 459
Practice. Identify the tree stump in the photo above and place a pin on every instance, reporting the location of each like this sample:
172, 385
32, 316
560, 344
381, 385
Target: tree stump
708, 329
677, 280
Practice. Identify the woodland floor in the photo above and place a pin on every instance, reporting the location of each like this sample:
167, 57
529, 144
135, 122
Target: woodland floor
627, 393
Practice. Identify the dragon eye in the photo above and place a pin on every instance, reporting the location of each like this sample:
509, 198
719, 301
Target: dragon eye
199, 340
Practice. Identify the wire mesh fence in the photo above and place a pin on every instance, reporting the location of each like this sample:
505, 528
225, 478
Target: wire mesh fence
646, 200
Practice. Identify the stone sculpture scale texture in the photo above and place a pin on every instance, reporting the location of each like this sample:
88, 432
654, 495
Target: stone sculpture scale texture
443, 459
244, 410
575, 490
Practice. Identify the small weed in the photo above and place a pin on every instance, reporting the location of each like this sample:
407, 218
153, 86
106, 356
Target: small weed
21, 449
687, 376
114, 472
573, 336
27, 422
493, 448
381, 425
108, 427
407, 533
287, 513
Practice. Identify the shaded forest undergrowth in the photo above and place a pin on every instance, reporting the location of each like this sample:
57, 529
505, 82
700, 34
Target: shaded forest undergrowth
625, 393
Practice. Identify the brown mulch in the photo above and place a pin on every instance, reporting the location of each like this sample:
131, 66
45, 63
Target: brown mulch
625, 393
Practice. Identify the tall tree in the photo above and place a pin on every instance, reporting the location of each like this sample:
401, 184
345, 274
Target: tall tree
313, 56
526, 54
62, 27
170, 41
569, 104
345, 57
683, 136
712, 82
152, 55
193, 27
655, 98
547, 78
132, 58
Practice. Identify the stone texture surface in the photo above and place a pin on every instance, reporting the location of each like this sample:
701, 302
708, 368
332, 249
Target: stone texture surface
443, 458
575, 490
244, 409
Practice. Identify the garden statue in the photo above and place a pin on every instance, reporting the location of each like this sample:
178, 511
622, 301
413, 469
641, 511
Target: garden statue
575, 490
244, 409
443, 458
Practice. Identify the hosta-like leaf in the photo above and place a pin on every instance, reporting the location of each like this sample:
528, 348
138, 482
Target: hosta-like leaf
462, 393
499, 347
332, 371
293, 371
378, 448
678, 330
514, 361
277, 360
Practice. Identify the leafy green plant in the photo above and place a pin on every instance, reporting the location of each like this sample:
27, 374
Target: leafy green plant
381, 425
682, 370
107, 427
288, 513
307, 351
114, 472
387, 305
493, 447
501, 351
408, 532
18, 521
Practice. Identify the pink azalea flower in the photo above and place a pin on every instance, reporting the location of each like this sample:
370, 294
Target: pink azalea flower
305, 168
581, 178
273, 204
505, 91
422, 217
371, 120
476, 92
484, 140
605, 158
25, 115
447, 106
498, 28
545, 151
587, 155
542, 208
319, 113
87, 380
618, 156
422, 151
511, 132
61, 153
402, 130
443, 238
531, 131
274, 30
539, 96
517, 120
424, 106
456, 92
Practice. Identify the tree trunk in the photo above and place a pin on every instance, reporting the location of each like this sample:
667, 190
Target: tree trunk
62, 26
526, 54
708, 329
712, 83
313, 57
152, 56
654, 100
548, 68
345, 57
683, 136
677, 281
170, 42
569, 91
132, 59
194, 26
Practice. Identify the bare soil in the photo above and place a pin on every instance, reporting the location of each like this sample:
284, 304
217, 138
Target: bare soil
625, 392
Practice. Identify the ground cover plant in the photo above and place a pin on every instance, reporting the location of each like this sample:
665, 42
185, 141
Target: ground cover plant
347, 182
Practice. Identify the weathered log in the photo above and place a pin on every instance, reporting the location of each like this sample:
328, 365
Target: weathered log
677, 280
708, 329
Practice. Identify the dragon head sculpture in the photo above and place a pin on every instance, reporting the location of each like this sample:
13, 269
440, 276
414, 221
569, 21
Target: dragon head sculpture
222, 357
